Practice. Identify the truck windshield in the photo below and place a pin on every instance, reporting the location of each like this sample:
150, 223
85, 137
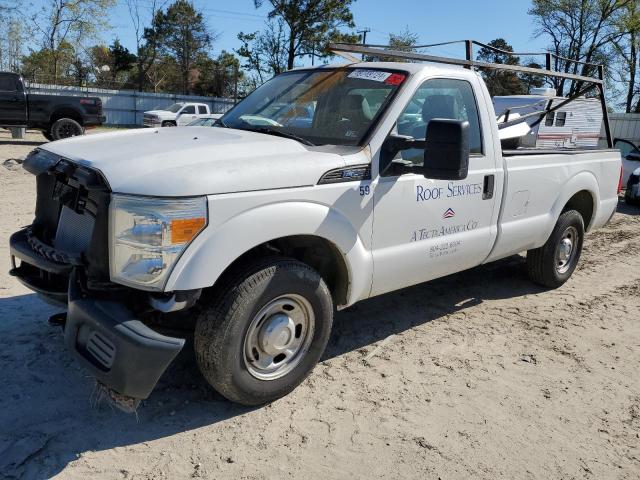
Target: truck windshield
330, 106
175, 107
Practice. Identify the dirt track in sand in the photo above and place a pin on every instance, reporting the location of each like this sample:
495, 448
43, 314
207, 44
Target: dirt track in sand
480, 374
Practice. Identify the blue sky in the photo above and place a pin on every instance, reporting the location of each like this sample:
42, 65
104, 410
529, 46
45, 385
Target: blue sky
433, 20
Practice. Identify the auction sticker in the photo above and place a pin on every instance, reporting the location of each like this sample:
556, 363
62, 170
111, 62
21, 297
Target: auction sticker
374, 75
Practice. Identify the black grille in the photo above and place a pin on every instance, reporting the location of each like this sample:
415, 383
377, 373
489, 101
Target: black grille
71, 220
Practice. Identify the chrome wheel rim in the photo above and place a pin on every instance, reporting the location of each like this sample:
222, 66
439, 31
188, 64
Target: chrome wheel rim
566, 250
278, 337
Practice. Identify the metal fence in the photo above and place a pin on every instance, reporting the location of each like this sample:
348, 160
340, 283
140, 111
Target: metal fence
126, 107
625, 125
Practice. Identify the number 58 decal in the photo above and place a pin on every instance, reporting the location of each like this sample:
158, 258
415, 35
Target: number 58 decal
365, 190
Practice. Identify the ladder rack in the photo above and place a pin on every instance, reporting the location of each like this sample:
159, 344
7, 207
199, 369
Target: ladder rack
347, 50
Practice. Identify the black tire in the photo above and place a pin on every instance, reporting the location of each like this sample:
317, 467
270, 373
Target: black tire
66, 128
543, 264
631, 201
169, 124
47, 135
224, 327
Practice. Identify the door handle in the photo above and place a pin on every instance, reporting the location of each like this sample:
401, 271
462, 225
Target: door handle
487, 189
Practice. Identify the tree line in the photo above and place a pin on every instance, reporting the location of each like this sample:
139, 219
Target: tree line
60, 43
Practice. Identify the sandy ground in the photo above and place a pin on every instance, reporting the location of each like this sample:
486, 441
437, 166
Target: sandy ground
477, 375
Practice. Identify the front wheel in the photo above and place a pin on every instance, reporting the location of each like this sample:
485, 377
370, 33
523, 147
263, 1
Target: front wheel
263, 336
552, 264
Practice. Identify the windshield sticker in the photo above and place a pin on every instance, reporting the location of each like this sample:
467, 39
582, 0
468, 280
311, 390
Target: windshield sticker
395, 79
374, 75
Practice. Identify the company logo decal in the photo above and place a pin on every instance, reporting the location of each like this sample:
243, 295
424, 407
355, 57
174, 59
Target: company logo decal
449, 213
452, 190
443, 231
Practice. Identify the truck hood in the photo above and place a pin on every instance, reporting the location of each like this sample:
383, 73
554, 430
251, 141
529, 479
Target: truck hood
196, 160
161, 113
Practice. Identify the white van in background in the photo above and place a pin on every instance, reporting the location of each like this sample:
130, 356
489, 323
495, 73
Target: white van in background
575, 125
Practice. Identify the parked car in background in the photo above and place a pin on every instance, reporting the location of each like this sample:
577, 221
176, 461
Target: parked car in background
57, 116
631, 169
207, 121
178, 114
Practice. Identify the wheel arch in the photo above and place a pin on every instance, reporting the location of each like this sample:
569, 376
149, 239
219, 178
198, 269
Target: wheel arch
579, 193
583, 203
313, 233
317, 252
65, 112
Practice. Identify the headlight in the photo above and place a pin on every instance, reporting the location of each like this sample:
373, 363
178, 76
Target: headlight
148, 235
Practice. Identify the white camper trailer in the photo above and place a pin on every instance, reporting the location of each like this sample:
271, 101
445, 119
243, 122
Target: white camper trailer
575, 125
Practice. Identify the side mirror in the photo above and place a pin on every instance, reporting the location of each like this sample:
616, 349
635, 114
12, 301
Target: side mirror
446, 156
634, 156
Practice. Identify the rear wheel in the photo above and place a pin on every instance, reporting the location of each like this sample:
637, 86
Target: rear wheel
66, 128
553, 264
263, 336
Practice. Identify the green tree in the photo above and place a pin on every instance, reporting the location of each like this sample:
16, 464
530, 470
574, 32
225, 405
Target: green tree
68, 21
311, 25
404, 41
118, 60
530, 80
264, 53
183, 34
147, 38
580, 30
501, 82
45, 65
627, 48
218, 77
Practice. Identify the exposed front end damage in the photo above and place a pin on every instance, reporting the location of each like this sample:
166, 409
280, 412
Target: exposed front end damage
63, 257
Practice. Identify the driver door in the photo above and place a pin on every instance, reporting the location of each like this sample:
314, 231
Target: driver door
187, 115
426, 228
13, 101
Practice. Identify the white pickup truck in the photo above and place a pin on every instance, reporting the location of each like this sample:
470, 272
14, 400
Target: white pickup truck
258, 229
176, 115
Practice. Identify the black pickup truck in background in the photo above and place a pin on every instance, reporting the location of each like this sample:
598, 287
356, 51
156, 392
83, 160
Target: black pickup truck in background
57, 116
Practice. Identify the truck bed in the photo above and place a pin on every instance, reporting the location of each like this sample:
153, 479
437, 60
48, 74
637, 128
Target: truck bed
539, 183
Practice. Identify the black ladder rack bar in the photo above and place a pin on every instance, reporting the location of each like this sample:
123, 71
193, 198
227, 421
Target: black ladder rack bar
380, 52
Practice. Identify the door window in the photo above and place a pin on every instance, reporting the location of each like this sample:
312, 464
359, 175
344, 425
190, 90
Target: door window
202, 110
548, 121
442, 99
189, 110
625, 147
8, 83
561, 119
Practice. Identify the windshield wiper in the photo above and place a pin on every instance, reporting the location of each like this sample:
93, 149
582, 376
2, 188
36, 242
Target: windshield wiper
280, 133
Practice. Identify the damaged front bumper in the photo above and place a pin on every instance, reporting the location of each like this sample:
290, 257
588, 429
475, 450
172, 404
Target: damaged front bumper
121, 351
105, 335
